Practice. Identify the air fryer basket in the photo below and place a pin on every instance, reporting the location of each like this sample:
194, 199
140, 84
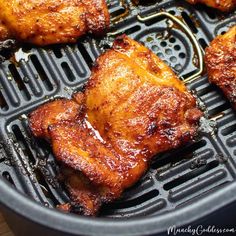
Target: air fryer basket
182, 186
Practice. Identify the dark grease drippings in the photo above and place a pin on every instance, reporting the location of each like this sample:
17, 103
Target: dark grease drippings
7, 48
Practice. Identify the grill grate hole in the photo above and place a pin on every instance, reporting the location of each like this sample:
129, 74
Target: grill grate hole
184, 178
85, 54
132, 30
8, 177
27, 48
3, 103
42, 74
119, 12
189, 22
182, 55
172, 40
203, 43
23, 144
223, 32
134, 202
20, 84
145, 2
42, 147
172, 12
68, 71
206, 90
45, 188
57, 51
219, 109
229, 130
210, 13
178, 155
163, 44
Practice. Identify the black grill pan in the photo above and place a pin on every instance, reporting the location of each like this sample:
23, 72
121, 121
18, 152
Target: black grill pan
192, 184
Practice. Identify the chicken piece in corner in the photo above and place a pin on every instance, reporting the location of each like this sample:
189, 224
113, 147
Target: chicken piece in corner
220, 61
222, 5
44, 22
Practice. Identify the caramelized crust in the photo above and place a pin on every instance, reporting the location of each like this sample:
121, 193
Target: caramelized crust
48, 22
222, 5
86, 197
221, 63
137, 103
52, 113
84, 152
134, 107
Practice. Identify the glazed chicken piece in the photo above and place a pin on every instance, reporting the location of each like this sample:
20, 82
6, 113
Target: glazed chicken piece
134, 107
44, 22
137, 103
220, 61
222, 5
62, 122
51, 113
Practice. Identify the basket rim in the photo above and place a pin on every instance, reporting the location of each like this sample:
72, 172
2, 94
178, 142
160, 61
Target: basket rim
72, 224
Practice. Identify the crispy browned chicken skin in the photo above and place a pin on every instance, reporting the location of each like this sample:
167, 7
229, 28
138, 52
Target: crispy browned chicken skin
222, 5
133, 107
44, 22
221, 63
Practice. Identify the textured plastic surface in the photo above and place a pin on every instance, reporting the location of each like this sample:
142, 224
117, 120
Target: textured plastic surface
175, 178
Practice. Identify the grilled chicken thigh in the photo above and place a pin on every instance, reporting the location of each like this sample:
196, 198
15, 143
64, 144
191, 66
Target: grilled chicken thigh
137, 103
133, 107
222, 5
221, 63
44, 22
